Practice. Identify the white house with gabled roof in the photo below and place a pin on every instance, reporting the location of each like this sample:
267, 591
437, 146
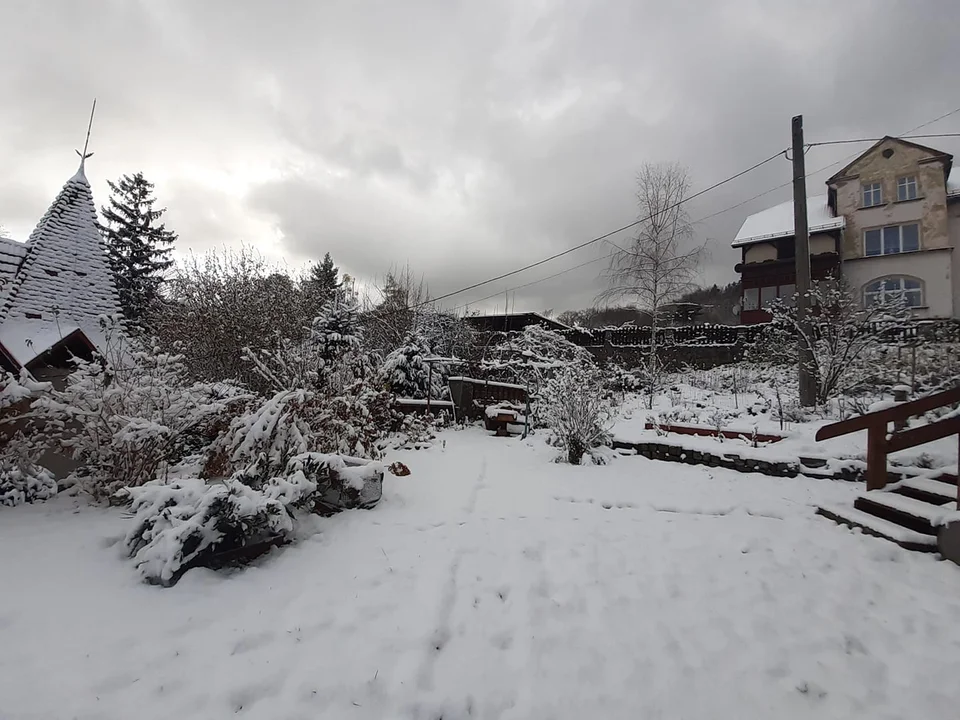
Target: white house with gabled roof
889, 223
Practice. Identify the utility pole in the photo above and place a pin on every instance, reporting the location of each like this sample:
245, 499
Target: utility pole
808, 391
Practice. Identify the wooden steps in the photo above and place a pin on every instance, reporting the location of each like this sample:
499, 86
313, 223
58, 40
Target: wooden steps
908, 513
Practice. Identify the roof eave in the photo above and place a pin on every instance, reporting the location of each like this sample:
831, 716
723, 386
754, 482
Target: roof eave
817, 229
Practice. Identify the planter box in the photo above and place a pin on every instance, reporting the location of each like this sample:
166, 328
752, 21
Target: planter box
712, 432
343, 482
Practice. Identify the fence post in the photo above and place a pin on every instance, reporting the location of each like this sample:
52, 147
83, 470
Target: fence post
876, 457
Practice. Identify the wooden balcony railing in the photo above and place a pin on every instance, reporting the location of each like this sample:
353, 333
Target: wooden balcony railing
880, 444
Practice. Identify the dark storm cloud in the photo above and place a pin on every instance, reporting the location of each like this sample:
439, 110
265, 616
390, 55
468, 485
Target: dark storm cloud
462, 138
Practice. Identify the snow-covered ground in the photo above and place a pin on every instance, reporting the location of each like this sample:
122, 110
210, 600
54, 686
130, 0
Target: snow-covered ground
491, 583
744, 411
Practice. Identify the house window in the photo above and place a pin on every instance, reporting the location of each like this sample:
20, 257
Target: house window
907, 188
787, 293
891, 240
872, 195
767, 296
751, 298
893, 288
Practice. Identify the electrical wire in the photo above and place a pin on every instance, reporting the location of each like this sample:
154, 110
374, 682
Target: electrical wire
533, 282
866, 140
601, 237
820, 170
606, 236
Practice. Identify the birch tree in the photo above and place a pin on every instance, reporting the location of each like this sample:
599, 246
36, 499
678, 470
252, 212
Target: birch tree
660, 262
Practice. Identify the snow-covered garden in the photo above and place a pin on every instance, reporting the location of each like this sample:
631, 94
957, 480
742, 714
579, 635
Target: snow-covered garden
251, 525
492, 582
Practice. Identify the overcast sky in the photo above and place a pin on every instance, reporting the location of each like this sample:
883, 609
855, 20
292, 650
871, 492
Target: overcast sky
463, 138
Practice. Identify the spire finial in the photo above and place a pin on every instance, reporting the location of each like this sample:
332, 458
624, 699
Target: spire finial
86, 143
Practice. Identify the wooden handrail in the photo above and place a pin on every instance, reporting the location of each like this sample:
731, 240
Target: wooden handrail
923, 434
901, 411
876, 423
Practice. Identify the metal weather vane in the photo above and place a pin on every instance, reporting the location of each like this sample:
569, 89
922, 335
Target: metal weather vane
86, 143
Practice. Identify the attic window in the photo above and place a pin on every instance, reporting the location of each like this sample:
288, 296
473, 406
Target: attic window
33, 316
888, 153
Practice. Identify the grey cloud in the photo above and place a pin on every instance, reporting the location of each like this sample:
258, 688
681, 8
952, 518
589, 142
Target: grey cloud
464, 138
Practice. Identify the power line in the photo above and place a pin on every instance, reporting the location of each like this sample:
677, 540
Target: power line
534, 282
820, 170
866, 140
601, 237
905, 136
931, 122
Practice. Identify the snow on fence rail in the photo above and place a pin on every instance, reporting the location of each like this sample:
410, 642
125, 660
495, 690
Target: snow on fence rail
705, 334
935, 330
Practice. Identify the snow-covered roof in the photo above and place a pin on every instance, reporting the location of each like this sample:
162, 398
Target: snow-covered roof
11, 256
777, 222
59, 282
64, 279
27, 340
953, 183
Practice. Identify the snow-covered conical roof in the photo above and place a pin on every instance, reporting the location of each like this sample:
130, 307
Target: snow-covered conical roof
65, 276
64, 283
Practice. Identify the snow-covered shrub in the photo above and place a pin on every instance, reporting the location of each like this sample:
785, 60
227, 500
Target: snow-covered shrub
126, 416
337, 482
843, 335
356, 422
405, 372
262, 441
618, 379
319, 398
222, 303
21, 479
574, 406
186, 522
533, 356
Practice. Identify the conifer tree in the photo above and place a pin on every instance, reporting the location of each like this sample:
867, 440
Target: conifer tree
139, 244
325, 278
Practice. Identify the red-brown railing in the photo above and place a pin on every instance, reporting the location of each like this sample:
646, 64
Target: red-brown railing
879, 444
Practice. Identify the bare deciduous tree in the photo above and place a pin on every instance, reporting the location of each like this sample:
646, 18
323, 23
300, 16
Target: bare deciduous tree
660, 262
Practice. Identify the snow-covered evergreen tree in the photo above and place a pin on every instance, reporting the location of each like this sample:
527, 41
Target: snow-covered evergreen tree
405, 372
324, 279
139, 244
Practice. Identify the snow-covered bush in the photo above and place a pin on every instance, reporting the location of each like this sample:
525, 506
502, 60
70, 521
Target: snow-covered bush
127, 416
405, 372
618, 379
319, 398
222, 303
531, 357
330, 483
21, 479
843, 335
261, 441
184, 523
357, 422
575, 408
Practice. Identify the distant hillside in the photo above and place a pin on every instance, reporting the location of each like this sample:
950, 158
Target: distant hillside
718, 301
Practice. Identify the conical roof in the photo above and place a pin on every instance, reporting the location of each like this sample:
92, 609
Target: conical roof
65, 277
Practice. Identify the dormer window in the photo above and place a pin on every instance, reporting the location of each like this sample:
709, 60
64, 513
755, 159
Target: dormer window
872, 194
907, 188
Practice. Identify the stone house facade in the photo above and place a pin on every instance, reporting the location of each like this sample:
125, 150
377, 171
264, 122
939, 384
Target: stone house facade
889, 223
